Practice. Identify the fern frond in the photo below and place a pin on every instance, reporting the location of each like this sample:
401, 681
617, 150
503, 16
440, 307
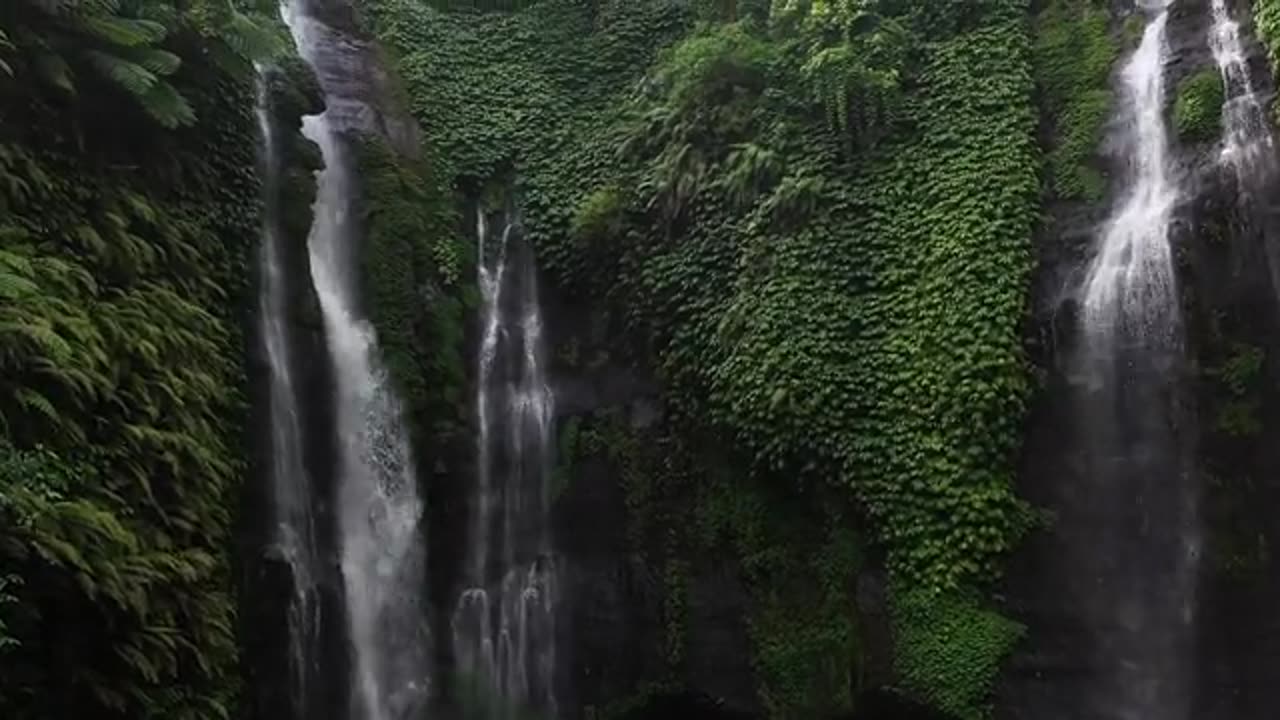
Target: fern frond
164, 103
33, 401
40, 334
131, 76
161, 62
251, 40
5, 46
53, 69
126, 32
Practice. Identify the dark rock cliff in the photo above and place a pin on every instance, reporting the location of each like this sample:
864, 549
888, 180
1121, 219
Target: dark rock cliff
616, 631
267, 581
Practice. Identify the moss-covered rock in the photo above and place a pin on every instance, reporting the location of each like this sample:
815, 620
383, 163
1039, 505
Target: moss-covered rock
1074, 52
1197, 110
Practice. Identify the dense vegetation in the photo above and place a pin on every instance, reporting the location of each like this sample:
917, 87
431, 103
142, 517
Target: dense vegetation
776, 206
810, 220
1197, 110
1074, 52
128, 204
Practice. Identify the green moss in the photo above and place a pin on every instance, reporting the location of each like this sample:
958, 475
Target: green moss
1239, 376
799, 557
1237, 546
1074, 52
949, 649
600, 215
567, 454
1266, 21
1197, 110
412, 261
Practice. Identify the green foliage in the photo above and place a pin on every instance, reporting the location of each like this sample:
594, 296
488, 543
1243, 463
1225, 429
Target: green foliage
1197, 110
652, 472
64, 524
600, 217
567, 451
800, 559
949, 649
795, 277
482, 5
413, 262
7, 584
137, 45
540, 88
1237, 546
1266, 20
122, 281
815, 344
853, 59
688, 510
1073, 54
1240, 375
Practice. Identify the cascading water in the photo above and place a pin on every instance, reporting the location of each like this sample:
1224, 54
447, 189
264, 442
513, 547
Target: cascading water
1130, 288
378, 508
293, 536
1248, 146
1136, 558
504, 622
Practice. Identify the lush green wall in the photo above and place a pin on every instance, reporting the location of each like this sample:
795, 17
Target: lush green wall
791, 214
129, 202
1073, 55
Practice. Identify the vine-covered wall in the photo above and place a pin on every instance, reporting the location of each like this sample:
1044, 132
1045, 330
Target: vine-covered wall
777, 206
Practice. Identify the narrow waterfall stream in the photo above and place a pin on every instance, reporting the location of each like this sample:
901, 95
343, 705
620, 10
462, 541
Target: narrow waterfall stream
293, 535
1130, 287
1137, 566
504, 622
378, 509
1248, 146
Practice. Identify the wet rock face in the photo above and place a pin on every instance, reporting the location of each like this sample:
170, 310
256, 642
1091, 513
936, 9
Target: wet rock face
266, 579
612, 634
354, 75
1230, 311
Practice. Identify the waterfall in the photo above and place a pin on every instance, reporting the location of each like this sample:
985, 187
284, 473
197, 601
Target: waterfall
1135, 539
293, 537
1130, 287
378, 510
504, 622
1248, 147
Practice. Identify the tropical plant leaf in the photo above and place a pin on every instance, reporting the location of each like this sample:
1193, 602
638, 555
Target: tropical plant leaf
126, 32
134, 78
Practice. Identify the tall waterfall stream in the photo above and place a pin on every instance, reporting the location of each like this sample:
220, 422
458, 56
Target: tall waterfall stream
378, 511
1130, 287
1248, 146
1137, 573
504, 622
294, 532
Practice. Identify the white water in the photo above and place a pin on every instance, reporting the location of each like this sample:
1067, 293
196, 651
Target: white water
1142, 563
1130, 286
1248, 146
504, 622
1247, 142
378, 509
294, 533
